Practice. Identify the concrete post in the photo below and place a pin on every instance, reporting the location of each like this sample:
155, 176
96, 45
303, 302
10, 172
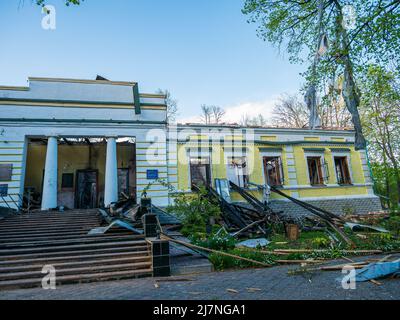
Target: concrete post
111, 179
49, 196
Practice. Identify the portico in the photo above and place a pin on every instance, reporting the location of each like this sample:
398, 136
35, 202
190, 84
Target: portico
50, 179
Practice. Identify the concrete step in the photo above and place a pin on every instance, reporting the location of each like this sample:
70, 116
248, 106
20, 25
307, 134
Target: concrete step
119, 249
78, 278
7, 252
29, 242
80, 240
37, 267
57, 236
72, 257
76, 271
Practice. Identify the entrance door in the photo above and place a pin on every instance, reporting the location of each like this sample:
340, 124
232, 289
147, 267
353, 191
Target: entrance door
86, 189
123, 181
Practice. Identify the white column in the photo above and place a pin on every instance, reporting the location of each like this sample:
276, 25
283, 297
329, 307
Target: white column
111, 179
49, 196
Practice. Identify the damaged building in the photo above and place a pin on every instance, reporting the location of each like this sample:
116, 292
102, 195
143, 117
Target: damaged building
82, 143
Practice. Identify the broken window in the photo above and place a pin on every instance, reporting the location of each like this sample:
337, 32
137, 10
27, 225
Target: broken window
237, 171
317, 171
200, 172
3, 190
273, 171
5, 171
67, 180
342, 170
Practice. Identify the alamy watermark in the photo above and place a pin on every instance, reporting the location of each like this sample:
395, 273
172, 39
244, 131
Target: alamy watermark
349, 280
49, 280
49, 20
349, 17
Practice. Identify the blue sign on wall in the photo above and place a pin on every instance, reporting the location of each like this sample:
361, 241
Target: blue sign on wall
152, 174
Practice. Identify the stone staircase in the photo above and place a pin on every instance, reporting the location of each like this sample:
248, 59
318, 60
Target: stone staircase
28, 242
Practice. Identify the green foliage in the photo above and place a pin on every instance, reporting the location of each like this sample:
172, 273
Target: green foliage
297, 28
157, 181
393, 224
293, 25
222, 262
308, 240
220, 240
67, 2
321, 242
348, 210
385, 182
381, 122
194, 210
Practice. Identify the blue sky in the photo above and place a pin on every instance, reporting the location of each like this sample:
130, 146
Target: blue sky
203, 51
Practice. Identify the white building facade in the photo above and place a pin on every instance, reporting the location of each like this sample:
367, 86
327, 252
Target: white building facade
68, 111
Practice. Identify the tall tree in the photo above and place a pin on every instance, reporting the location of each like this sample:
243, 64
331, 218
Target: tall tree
206, 114
294, 25
218, 113
172, 105
290, 112
211, 114
67, 2
380, 110
257, 121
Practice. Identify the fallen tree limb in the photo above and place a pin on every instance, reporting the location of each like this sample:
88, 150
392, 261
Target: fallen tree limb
287, 251
165, 237
262, 251
356, 265
299, 261
251, 225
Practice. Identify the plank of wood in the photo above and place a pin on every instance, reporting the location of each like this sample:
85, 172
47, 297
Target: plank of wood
215, 251
325, 250
300, 261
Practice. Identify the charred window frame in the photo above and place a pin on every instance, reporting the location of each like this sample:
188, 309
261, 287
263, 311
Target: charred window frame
200, 171
67, 181
342, 170
273, 170
6, 171
318, 170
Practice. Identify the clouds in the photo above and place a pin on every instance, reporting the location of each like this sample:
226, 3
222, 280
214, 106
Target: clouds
235, 113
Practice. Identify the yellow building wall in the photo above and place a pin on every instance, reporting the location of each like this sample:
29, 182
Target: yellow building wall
183, 169
70, 159
256, 174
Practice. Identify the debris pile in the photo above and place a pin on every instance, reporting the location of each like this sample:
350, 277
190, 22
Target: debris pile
127, 214
255, 217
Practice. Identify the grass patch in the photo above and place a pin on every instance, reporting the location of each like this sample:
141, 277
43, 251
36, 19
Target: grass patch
310, 240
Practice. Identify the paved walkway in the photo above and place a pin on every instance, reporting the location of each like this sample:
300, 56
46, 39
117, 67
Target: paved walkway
273, 283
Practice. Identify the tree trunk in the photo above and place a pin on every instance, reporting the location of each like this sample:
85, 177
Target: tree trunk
350, 93
352, 99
